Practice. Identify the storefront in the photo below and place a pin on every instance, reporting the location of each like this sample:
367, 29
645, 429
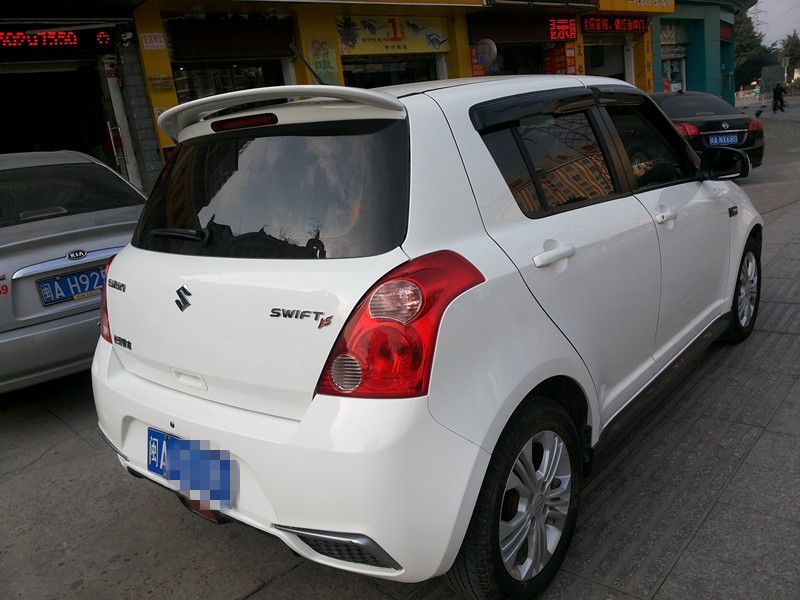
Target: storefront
388, 50
695, 48
62, 91
609, 42
674, 41
218, 55
516, 44
187, 56
618, 40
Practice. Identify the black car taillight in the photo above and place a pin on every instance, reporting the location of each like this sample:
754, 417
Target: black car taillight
687, 130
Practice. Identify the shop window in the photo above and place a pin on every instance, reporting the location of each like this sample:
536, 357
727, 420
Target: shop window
551, 161
370, 72
518, 59
595, 56
194, 81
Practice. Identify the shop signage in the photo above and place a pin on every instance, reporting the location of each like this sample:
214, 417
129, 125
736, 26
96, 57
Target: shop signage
485, 53
653, 3
360, 35
562, 30
322, 53
60, 41
725, 32
614, 24
561, 59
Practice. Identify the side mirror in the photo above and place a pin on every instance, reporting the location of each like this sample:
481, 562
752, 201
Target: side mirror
724, 163
758, 113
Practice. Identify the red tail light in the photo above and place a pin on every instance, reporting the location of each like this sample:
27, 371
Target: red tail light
386, 347
687, 129
105, 326
755, 125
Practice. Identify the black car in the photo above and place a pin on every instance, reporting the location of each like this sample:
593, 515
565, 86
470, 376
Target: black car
707, 121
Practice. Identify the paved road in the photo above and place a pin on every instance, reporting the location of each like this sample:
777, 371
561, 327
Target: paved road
776, 185
701, 502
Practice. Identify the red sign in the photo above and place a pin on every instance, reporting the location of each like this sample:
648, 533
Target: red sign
614, 24
76, 40
725, 32
563, 29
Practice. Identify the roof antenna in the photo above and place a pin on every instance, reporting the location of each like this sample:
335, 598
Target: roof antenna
316, 77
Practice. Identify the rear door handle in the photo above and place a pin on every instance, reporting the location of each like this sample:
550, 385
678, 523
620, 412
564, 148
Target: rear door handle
666, 215
548, 257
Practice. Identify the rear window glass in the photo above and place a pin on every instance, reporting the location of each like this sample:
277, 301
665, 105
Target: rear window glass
45, 192
684, 106
330, 190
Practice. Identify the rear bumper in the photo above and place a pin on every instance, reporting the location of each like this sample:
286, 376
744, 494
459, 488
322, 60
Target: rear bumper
48, 350
379, 473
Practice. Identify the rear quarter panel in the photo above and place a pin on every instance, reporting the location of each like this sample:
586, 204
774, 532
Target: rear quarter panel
495, 343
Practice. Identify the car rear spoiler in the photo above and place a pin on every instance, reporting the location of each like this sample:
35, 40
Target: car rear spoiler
175, 119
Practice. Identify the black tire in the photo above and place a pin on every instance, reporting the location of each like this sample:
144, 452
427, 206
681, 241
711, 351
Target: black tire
747, 294
543, 430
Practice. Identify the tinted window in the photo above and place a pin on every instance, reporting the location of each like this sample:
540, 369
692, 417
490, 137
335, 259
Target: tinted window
329, 191
654, 149
686, 106
45, 192
549, 161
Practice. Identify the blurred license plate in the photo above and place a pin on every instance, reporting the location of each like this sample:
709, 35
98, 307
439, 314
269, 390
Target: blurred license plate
191, 467
72, 287
726, 139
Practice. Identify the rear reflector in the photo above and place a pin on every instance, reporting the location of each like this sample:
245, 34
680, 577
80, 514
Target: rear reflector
105, 325
244, 122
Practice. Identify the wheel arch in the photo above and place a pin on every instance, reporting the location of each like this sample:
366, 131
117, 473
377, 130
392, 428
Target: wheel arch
567, 393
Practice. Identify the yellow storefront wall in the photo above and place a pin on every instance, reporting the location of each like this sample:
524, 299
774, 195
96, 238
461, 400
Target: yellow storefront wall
156, 66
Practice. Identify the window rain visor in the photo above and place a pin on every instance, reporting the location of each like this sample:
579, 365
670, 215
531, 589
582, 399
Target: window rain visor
319, 190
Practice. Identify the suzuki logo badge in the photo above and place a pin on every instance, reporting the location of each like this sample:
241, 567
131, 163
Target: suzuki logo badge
76, 254
182, 301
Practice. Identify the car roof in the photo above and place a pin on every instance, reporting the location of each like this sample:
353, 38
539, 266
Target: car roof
19, 160
179, 121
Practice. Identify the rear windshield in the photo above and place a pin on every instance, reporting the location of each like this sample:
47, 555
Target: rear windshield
45, 192
685, 106
330, 190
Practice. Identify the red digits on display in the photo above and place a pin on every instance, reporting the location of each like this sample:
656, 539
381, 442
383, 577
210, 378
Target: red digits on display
45, 38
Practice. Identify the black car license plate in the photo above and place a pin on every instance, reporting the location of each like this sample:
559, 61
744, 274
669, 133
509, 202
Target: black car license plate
71, 287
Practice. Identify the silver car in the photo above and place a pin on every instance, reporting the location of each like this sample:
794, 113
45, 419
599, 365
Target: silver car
62, 216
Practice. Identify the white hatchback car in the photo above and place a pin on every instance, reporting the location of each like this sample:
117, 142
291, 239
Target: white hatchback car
392, 327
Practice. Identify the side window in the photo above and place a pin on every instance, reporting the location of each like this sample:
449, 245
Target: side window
550, 161
652, 146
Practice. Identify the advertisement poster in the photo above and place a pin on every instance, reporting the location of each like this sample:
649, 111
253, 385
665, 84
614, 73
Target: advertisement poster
322, 54
360, 35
